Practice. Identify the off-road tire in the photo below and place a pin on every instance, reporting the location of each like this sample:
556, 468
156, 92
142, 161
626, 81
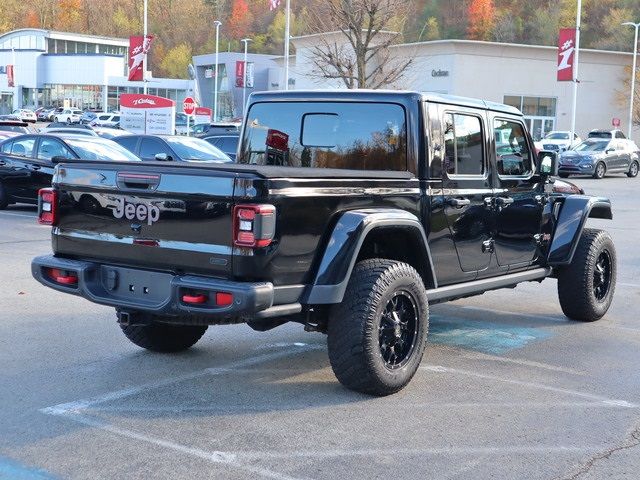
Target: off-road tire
576, 282
4, 197
163, 337
633, 169
599, 172
354, 335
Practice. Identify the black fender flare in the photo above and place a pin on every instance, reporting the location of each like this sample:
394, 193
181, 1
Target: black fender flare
571, 219
342, 249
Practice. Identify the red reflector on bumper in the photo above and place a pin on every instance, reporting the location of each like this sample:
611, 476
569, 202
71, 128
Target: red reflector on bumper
194, 299
64, 278
224, 299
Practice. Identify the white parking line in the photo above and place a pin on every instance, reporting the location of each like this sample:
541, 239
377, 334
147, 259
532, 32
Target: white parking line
540, 386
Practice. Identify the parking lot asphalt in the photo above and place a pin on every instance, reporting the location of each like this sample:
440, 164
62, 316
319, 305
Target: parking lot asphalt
508, 388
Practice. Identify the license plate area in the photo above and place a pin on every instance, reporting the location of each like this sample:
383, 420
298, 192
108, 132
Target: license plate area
143, 287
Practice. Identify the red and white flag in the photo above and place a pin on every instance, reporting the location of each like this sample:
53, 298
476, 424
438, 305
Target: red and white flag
138, 47
566, 54
273, 4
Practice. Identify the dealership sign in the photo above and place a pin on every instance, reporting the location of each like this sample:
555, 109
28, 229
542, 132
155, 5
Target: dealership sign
203, 115
566, 54
147, 114
138, 47
11, 81
242, 71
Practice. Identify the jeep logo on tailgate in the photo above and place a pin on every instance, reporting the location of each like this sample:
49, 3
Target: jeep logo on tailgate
139, 211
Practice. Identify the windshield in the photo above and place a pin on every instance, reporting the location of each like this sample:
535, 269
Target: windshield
557, 136
14, 128
592, 146
195, 149
181, 119
94, 149
600, 135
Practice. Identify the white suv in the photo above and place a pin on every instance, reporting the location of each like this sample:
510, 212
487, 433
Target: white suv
68, 115
106, 120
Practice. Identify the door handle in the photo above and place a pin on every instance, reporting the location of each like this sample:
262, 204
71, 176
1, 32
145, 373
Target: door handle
503, 201
35, 167
459, 202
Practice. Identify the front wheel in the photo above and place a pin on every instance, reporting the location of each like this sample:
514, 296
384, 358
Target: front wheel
600, 170
563, 175
633, 169
4, 197
586, 286
377, 335
163, 337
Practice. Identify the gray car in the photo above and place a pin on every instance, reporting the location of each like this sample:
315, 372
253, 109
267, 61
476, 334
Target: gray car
600, 156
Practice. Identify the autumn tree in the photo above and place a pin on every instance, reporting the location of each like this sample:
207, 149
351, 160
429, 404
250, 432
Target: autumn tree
481, 14
359, 54
239, 21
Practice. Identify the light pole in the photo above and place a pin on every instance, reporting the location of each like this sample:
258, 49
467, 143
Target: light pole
217, 23
144, 58
244, 80
633, 74
576, 66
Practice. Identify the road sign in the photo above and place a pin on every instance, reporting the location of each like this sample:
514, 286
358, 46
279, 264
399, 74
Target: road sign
189, 106
615, 122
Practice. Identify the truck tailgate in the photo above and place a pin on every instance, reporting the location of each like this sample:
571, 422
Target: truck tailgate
166, 218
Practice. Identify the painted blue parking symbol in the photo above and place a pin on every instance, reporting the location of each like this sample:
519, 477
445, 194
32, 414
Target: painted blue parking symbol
487, 337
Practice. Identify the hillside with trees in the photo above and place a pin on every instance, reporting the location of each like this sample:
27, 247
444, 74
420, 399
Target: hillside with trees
183, 28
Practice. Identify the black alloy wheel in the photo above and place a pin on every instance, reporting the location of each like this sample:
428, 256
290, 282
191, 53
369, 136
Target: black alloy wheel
602, 275
398, 330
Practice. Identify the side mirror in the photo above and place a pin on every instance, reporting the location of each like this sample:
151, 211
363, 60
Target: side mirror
163, 157
610, 150
547, 163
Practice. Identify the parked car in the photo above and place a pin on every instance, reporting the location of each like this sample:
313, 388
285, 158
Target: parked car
27, 161
70, 131
110, 132
45, 114
54, 112
172, 148
13, 127
228, 143
596, 133
68, 115
66, 126
106, 120
88, 116
181, 124
25, 115
558, 141
331, 220
599, 156
204, 129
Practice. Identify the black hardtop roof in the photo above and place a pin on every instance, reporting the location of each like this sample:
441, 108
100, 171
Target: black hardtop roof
403, 96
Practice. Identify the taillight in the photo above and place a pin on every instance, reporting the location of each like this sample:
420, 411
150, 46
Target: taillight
254, 226
47, 206
62, 277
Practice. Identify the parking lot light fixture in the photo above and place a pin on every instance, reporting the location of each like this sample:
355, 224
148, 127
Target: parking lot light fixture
244, 79
633, 74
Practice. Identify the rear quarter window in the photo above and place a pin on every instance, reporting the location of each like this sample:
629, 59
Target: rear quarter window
355, 136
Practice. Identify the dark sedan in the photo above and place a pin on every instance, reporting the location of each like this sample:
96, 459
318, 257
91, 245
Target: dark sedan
227, 142
172, 148
27, 161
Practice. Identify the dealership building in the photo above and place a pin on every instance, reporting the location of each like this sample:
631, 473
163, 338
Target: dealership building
520, 75
71, 69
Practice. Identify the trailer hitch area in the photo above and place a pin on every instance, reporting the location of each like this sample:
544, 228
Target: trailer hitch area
133, 319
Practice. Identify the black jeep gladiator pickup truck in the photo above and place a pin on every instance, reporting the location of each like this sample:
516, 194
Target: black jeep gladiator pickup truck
347, 211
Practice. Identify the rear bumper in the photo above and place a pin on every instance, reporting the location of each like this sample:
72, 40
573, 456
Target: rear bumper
161, 293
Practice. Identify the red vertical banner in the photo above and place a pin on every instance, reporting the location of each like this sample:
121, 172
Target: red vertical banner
138, 47
566, 54
11, 81
240, 73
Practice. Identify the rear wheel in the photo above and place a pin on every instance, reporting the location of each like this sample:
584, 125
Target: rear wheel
163, 337
586, 286
4, 197
563, 175
377, 335
633, 169
600, 170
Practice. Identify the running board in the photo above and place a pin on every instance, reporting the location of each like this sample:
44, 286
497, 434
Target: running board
477, 287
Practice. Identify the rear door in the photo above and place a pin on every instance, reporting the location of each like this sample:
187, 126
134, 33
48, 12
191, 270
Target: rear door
467, 191
517, 203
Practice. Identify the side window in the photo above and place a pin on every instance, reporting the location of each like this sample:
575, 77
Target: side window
513, 156
23, 147
50, 148
116, 119
463, 145
129, 143
104, 118
150, 147
620, 135
6, 147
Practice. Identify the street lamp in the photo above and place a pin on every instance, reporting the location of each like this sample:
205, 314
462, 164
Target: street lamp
217, 23
244, 80
633, 74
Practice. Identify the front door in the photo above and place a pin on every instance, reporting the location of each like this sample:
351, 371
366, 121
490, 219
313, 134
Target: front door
467, 191
518, 201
